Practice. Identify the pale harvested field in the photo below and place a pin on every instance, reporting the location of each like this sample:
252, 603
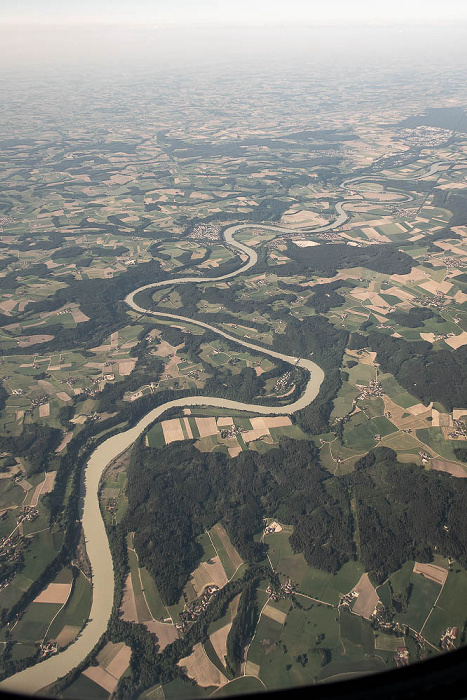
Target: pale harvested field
44, 410
306, 244
64, 442
36, 494
8, 305
126, 367
429, 337
232, 553
251, 435
460, 297
63, 396
459, 413
418, 409
120, 663
419, 421
374, 235
435, 287
128, 606
219, 638
224, 421
79, 316
54, 593
28, 340
101, 677
67, 635
259, 423
165, 633
458, 340
206, 426
360, 294
201, 669
108, 653
434, 573
303, 218
234, 451
367, 598
368, 358
277, 422
172, 430
25, 485
443, 465
219, 641
114, 339
451, 248
439, 420
189, 432
275, 614
208, 573
400, 293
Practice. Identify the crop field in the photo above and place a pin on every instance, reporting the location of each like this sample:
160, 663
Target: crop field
76, 611
421, 601
35, 622
450, 608
227, 553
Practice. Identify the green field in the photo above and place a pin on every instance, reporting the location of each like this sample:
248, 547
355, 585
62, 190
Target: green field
34, 624
154, 601
240, 686
84, 687
422, 598
450, 610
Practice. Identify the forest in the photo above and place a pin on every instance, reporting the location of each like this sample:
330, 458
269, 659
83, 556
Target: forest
325, 260
176, 493
430, 375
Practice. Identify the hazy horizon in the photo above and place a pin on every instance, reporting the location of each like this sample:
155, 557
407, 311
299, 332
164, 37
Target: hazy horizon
225, 12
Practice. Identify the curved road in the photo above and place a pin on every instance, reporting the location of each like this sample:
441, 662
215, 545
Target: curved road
33, 679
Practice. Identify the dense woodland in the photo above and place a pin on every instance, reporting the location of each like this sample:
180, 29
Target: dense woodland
176, 493
325, 260
431, 375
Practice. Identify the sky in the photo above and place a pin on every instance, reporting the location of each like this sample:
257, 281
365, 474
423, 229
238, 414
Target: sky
232, 12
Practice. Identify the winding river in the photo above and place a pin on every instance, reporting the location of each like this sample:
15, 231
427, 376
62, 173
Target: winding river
33, 679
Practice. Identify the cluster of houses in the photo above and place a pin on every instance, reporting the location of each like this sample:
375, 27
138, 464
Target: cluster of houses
48, 648
347, 600
283, 383
11, 546
284, 591
424, 136
329, 235
231, 432
454, 262
112, 505
373, 390
193, 610
402, 656
460, 429
39, 401
448, 639
206, 232
437, 302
